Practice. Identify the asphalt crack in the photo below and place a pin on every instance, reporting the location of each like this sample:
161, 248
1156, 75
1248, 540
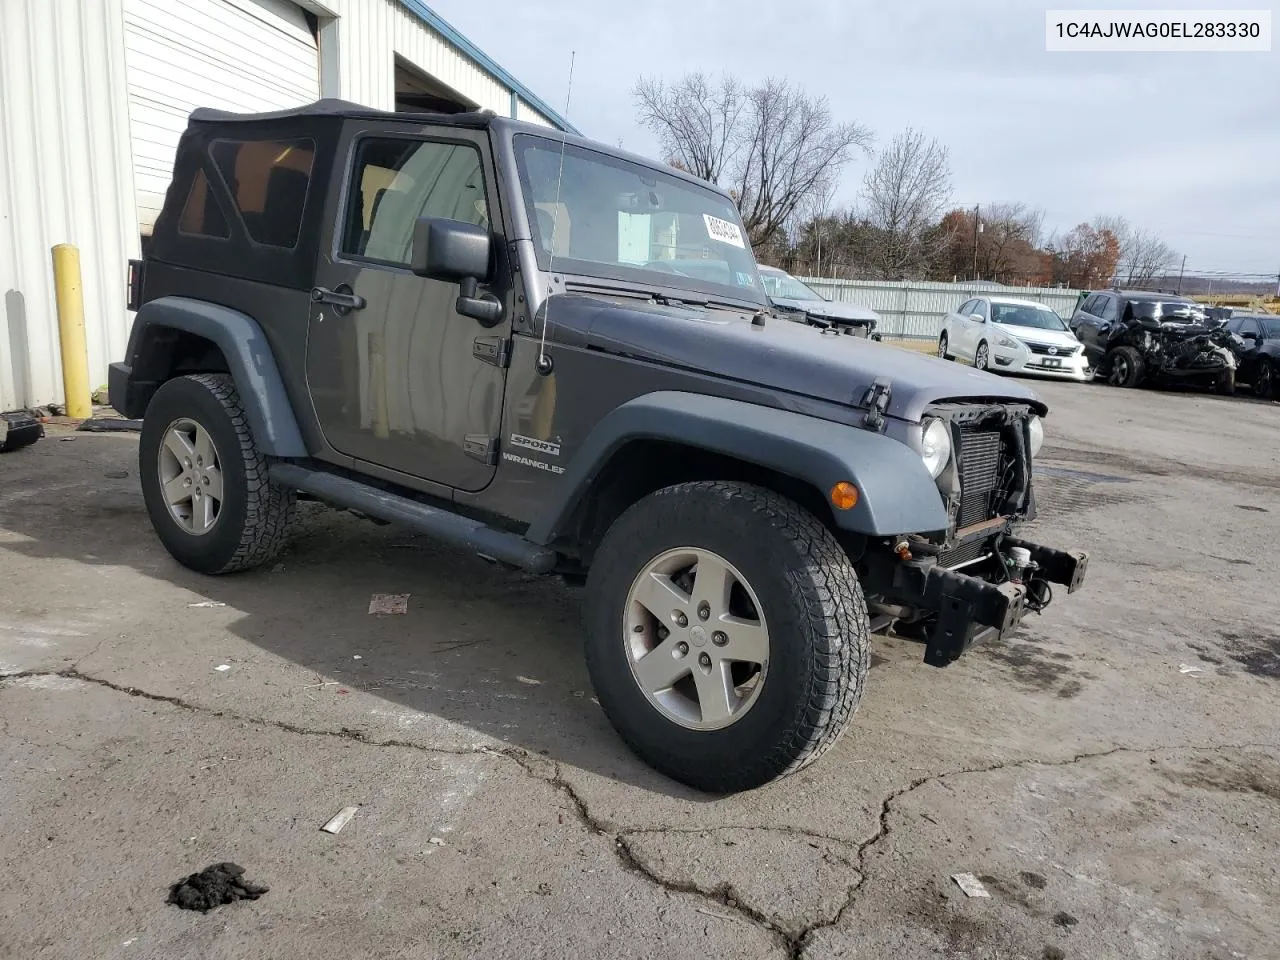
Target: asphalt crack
724, 895
800, 943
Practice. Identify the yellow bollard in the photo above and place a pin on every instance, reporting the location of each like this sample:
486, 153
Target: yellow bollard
75, 352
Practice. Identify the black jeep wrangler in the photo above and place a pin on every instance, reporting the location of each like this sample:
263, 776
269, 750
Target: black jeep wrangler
561, 357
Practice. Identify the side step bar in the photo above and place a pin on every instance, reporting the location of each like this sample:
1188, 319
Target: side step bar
441, 524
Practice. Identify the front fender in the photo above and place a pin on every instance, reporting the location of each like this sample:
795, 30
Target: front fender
249, 359
896, 493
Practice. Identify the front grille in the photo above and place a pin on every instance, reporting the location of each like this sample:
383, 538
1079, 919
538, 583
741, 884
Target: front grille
1043, 349
981, 453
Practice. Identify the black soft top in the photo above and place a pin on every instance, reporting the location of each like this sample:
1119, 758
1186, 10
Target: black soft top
343, 110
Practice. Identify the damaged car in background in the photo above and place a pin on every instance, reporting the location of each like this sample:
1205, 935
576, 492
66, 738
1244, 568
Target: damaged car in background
1132, 338
796, 300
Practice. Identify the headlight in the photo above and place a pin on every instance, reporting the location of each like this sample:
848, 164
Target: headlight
1006, 342
935, 446
1036, 429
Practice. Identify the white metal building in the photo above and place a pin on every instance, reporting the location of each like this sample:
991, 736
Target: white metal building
95, 93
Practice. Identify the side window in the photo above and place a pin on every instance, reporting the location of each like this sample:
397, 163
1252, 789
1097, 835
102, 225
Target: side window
965, 308
1107, 308
201, 215
981, 308
1249, 326
1090, 302
268, 180
395, 182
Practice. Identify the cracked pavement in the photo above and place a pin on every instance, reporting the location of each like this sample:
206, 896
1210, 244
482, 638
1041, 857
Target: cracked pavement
1112, 775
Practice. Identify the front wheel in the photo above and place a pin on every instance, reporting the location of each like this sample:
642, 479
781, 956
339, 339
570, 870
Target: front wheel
1124, 367
727, 636
204, 480
1264, 384
1226, 383
982, 358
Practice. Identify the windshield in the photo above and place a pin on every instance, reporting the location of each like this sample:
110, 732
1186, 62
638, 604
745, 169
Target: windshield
1024, 315
1172, 310
783, 286
624, 221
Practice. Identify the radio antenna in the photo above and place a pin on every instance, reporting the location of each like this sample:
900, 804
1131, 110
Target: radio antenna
544, 362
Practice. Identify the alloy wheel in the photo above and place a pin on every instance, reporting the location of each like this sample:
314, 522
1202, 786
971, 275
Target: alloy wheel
190, 476
695, 638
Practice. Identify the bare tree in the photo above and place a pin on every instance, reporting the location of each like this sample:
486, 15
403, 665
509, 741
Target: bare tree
1143, 255
1010, 236
790, 146
772, 145
905, 194
695, 119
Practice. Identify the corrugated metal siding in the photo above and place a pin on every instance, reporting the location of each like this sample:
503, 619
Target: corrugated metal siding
915, 310
65, 177
529, 115
372, 32
242, 55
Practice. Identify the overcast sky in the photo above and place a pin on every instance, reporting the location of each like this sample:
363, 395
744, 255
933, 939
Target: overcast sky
1185, 143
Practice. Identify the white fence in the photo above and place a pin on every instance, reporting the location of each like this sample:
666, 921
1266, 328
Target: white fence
914, 310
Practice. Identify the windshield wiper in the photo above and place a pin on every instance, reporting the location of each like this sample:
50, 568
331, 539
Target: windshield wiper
681, 301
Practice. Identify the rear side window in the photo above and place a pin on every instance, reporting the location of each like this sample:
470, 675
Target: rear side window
268, 180
397, 181
201, 214
1107, 308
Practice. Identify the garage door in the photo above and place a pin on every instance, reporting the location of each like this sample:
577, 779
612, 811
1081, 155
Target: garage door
241, 55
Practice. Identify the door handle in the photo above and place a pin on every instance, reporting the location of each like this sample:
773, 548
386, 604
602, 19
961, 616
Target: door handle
342, 298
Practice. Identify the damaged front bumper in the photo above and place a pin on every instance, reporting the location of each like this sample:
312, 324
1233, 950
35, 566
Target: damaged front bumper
966, 608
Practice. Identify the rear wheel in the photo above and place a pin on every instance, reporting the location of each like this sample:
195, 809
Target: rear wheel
1264, 384
1124, 367
204, 480
942, 346
727, 637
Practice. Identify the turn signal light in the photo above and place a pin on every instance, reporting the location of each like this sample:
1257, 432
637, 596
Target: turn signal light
844, 495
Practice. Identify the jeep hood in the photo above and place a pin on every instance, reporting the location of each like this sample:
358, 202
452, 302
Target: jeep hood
782, 355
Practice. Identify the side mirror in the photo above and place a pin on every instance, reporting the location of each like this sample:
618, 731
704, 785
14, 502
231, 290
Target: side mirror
977, 318
460, 253
1250, 335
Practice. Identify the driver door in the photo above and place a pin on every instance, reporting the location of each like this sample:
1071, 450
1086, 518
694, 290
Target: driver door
398, 378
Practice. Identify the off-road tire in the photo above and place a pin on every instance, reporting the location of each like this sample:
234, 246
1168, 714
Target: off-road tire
943, 343
1129, 372
1225, 385
809, 596
255, 516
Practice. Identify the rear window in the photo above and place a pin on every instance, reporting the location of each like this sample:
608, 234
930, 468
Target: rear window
268, 180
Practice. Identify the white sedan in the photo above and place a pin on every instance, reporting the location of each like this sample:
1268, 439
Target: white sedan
1005, 335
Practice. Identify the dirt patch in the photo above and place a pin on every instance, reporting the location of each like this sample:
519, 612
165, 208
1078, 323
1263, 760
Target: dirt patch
1225, 776
1036, 881
1035, 668
1257, 653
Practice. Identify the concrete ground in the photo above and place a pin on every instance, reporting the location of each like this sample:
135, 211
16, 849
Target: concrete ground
1112, 776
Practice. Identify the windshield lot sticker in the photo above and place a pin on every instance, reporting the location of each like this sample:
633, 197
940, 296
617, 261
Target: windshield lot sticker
724, 231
